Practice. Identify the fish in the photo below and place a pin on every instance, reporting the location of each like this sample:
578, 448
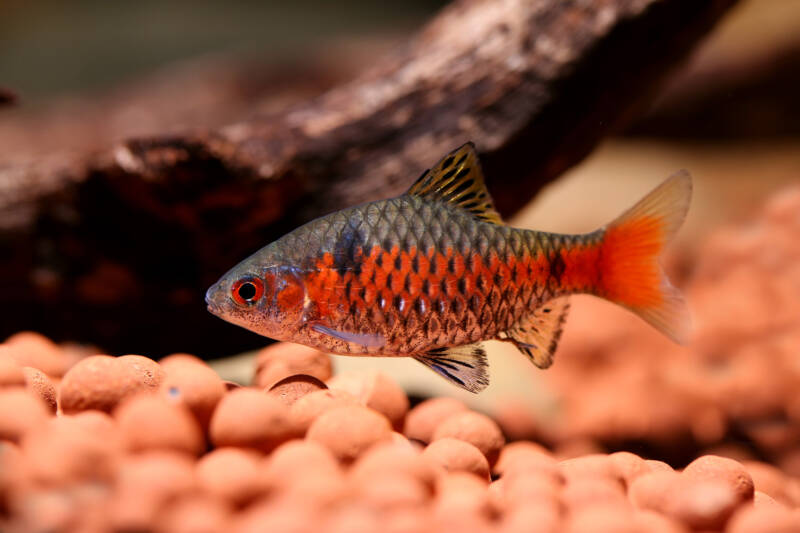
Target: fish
433, 273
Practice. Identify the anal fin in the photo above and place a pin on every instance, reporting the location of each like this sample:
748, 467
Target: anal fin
537, 334
464, 366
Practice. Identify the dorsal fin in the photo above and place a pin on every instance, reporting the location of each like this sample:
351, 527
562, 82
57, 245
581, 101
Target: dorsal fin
458, 180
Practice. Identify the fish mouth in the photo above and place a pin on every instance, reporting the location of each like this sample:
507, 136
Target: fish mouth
211, 303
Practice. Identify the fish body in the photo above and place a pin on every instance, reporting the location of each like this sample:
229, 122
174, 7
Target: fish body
422, 275
432, 273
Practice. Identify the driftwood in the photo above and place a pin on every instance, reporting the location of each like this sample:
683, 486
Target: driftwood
117, 246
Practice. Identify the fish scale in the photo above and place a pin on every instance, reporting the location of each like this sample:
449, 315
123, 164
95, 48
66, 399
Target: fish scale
432, 273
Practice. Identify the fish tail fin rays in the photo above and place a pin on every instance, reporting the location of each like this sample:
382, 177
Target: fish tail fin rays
630, 269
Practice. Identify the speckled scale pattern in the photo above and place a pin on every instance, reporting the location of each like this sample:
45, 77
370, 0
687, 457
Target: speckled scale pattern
423, 274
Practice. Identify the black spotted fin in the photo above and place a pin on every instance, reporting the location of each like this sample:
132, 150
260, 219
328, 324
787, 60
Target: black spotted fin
369, 340
537, 335
465, 366
458, 179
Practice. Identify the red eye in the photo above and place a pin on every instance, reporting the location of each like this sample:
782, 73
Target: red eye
247, 291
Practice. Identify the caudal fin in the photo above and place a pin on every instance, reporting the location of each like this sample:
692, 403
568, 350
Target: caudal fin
632, 246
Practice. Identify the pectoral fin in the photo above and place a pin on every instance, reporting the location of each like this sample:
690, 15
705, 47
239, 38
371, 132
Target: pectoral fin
537, 335
369, 340
464, 366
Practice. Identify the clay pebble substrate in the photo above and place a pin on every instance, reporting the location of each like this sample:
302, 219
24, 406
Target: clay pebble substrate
155, 463
141, 446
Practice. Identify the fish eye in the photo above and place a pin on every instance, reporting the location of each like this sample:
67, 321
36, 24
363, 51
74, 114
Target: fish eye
247, 291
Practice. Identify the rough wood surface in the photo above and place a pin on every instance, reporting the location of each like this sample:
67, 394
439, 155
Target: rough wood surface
116, 246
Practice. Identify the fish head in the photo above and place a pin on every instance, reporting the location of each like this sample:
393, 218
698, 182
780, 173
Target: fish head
267, 300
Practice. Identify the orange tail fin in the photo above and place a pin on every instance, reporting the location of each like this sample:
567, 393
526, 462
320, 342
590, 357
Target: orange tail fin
632, 246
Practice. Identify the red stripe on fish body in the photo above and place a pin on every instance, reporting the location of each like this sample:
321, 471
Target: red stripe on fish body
582, 267
439, 278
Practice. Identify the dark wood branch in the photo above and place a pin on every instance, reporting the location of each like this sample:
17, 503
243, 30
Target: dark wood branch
117, 246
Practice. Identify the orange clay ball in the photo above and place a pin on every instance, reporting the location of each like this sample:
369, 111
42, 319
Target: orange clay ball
456, 455
587, 491
703, 505
294, 458
292, 388
101, 382
393, 460
392, 492
658, 466
377, 391
307, 408
146, 371
730, 472
606, 517
11, 374
180, 359
522, 454
628, 466
545, 515
249, 418
20, 412
654, 490
145, 484
38, 383
232, 474
66, 449
423, 419
194, 384
96, 382
151, 422
475, 428
349, 431
520, 489
14, 477
594, 465
37, 351
770, 480
699, 504
314, 491
196, 513
269, 516
750, 519
96, 422
284, 359
653, 522
461, 494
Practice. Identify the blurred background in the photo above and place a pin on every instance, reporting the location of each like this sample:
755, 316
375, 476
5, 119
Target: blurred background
51, 48
107, 71
88, 73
